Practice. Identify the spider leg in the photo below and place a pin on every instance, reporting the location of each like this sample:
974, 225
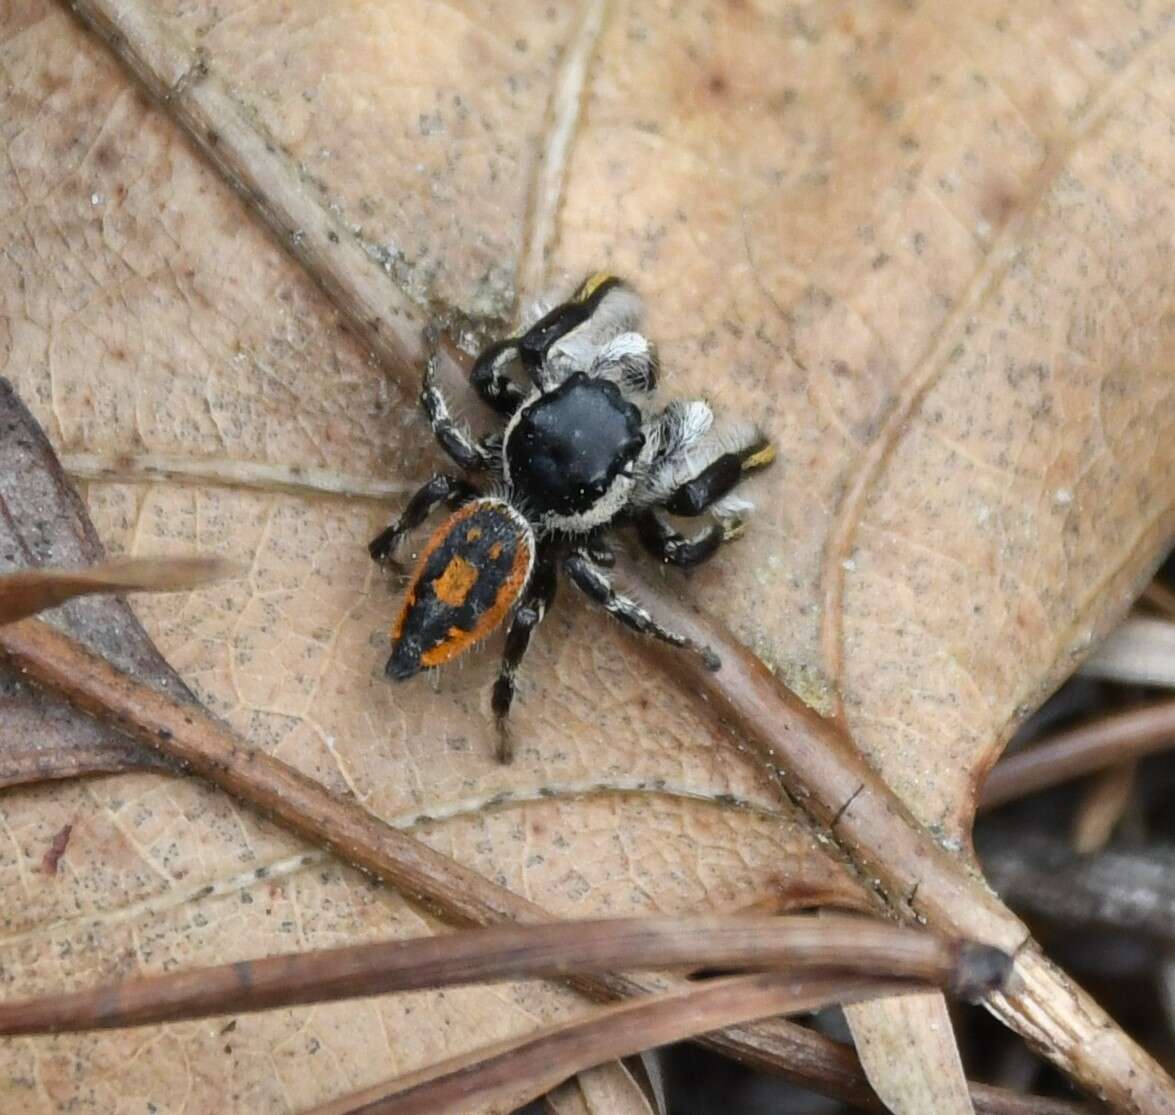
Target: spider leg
536, 599
593, 582
599, 552
490, 381
629, 360
569, 336
454, 439
718, 478
674, 548
442, 488
553, 326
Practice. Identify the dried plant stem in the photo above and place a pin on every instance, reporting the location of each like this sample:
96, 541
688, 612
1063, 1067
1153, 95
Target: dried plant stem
819, 765
1108, 741
1105, 802
921, 880
29, 591
510, 1073
60, 664
846, 946
1139, 651
208, 748
1127, 891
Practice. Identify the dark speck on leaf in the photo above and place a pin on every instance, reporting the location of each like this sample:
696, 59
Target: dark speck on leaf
56, 850
106, 156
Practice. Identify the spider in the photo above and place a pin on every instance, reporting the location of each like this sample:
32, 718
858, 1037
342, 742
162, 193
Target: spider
584, 451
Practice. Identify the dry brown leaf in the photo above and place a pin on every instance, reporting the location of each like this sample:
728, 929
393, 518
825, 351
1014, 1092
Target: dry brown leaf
600, 1091
613, 1087
931, 263
907, 1047
42, 521
137, 332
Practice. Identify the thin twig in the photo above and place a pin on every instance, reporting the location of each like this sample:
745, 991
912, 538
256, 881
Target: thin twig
208, 748
508, 1074
1042, 875
460, 896
1108, 741
29, 591
850, 946
920, 879
1106, 800
1139, 651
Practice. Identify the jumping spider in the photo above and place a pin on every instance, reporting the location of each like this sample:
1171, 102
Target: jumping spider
584, 450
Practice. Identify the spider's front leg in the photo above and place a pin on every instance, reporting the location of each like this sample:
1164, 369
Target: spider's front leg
719, 477
683, 488
490, 381
593, 582
442, 488
630, 361
454, 438
536, 599
674, 548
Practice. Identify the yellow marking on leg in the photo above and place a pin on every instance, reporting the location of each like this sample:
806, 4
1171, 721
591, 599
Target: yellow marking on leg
761, 458
733, 528
590, 285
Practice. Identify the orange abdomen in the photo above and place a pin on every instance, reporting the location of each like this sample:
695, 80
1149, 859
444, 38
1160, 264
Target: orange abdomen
470, 573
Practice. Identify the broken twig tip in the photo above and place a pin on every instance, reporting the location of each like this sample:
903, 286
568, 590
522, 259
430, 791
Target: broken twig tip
26, 592
981, 970
709, 659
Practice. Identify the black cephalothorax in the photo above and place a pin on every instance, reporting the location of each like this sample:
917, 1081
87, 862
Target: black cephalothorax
584, 450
